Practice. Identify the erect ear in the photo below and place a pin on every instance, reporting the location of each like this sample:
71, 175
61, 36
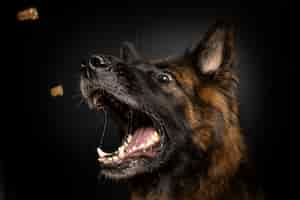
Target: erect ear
128, 53
216, 50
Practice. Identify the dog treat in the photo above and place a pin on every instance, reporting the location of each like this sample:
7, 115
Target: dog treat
56, 90
28, 14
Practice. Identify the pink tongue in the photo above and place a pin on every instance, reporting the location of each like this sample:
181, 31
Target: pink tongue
140, 136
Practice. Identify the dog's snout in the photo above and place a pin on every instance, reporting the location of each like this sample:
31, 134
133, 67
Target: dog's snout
97, 62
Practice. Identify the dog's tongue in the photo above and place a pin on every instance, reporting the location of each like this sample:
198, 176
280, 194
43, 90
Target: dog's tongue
140, 143
142, 136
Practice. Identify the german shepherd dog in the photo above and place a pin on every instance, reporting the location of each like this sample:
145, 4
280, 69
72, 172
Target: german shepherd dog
179, 120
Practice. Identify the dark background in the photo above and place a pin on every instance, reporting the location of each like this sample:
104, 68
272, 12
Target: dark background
51, 148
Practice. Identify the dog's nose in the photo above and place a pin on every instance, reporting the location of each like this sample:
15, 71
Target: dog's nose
94, 62
97, 62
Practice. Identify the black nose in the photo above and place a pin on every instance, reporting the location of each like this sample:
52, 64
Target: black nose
97, 62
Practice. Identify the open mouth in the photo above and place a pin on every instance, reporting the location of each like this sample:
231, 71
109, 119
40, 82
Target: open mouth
142, 132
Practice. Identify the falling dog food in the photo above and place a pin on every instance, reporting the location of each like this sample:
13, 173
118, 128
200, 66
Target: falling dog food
28, 14
57, 90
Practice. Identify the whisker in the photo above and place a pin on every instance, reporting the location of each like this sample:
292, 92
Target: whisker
75, 96
104, 127
130, 122
76, 76
79, 104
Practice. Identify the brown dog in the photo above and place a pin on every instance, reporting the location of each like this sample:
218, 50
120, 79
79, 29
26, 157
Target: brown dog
179, 118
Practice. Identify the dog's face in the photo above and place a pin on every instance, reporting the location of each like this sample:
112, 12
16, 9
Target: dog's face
164, 108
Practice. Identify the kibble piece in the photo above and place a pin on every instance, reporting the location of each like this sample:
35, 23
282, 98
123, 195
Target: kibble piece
28, 14
56, 90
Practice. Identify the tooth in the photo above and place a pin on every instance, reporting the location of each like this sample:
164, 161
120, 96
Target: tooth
129, 137
101, 153
121, 154
155, 137
115, 158
142, 146
149, 143
121, 148
110, 159
134, 148
103, 160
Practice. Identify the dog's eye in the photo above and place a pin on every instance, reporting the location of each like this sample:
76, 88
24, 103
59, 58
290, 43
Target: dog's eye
164, 77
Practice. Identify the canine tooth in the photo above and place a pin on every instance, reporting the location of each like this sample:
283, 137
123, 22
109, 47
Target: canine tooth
101, 153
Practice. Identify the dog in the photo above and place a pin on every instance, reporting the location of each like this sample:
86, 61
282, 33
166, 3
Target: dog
179, 120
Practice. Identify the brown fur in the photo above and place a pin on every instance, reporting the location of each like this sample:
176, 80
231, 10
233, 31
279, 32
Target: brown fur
225, 161
210, 104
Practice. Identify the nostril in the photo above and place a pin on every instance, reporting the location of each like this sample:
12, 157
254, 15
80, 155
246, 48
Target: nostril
97, 62
83, 64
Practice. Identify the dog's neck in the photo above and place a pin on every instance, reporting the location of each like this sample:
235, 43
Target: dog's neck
190, 181
166, 187
200, 175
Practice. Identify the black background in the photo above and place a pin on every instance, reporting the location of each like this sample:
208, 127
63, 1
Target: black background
51, 151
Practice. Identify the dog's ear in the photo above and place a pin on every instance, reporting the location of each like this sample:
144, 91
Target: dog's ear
128, 53
216, 50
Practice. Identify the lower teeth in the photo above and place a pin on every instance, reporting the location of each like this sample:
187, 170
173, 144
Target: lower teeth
120, 153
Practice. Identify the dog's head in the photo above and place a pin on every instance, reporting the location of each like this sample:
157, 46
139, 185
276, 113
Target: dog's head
169, 109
